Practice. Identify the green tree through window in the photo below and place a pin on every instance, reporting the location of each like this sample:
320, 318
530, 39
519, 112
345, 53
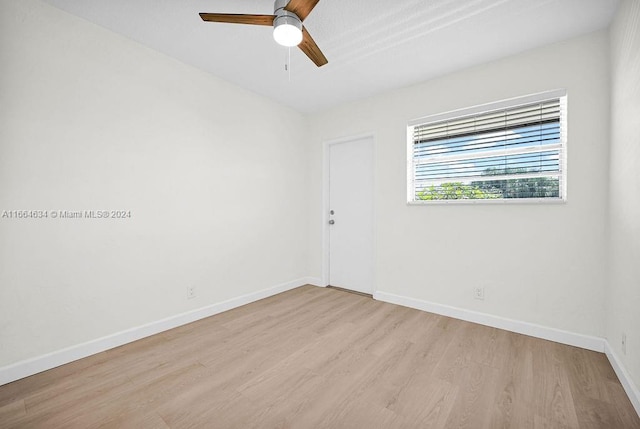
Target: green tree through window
536, 187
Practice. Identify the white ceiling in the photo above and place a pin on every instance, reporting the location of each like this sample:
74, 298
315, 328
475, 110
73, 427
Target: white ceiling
372, 45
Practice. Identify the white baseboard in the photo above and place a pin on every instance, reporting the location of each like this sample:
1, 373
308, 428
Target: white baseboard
315, 281
625, 379
531, 329
38, 364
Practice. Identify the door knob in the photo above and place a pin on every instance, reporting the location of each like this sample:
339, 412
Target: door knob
331, 222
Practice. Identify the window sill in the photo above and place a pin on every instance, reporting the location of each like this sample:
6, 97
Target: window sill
503, 201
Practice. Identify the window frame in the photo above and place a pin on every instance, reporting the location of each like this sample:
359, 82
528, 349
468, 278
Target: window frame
510, 103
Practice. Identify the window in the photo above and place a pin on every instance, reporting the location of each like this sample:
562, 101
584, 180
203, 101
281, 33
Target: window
507, 151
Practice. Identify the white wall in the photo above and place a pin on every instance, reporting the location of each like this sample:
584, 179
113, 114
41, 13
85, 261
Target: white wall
623, 304
91, 120
539, 263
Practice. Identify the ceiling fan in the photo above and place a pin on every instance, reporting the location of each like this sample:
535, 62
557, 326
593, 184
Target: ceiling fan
287, 25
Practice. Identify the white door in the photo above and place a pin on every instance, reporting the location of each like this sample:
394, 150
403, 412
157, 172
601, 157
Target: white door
351, 215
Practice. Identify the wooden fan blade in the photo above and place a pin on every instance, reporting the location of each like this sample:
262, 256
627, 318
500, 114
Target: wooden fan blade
302, 8
309, 47
238, 18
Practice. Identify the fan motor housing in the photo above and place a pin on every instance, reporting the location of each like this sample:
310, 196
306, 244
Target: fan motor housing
284, 16
287, 18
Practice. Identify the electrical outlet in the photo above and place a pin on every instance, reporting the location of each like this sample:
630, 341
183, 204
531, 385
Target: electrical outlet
478, 293
624, 343
191, 292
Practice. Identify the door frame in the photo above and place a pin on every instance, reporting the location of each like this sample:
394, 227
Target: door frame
325, 202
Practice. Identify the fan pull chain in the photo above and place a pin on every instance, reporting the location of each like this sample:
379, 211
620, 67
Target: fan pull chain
287, 65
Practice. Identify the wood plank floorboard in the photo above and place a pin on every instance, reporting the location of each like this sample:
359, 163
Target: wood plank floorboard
324, 358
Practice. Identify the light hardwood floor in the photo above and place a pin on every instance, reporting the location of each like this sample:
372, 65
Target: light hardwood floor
323, 358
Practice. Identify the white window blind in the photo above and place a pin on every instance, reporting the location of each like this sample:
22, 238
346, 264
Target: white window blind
509, 153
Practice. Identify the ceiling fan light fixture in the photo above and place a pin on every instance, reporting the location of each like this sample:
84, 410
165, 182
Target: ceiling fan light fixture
286, 22
287, 29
